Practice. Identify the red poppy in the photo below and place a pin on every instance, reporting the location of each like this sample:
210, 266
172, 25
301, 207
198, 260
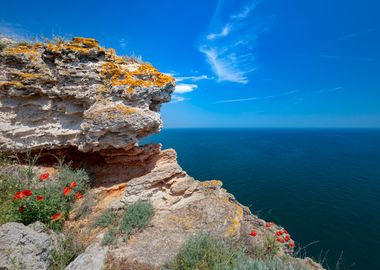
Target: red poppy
56, 216
287, 238
279, 233
292, 245
27, 192
18, 196
78, 195
21, 209
253, 233
66, 191
280, 240
73, 184
40, 198
44, 176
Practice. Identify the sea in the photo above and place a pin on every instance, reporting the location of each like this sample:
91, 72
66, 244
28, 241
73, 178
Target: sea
322, 185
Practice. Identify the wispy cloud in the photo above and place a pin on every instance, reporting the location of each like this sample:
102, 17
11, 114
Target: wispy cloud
15, 31
176, 98
123, 43
193, 78
257, 98
339, 57
230, 40
225, 31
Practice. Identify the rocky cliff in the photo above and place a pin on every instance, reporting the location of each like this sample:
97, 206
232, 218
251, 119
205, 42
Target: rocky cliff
82, 102
76, 94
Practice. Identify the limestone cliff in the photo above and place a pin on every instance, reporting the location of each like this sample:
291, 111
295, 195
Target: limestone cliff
76, 94
83, 102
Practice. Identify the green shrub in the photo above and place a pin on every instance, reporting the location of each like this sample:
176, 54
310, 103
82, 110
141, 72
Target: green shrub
204, 252
110, 237
106, 218
136, 217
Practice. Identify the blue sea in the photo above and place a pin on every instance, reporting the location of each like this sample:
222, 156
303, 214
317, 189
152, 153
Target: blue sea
323, 185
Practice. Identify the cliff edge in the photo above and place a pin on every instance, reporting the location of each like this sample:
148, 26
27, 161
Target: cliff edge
81, 102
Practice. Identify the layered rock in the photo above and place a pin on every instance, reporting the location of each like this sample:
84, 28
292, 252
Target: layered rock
80, 101
76, 94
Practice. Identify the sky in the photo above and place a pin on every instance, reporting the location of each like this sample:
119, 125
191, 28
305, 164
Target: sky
238, 63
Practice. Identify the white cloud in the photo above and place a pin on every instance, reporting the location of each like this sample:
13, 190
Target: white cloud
257, 98
223, 67
225, 31
230, 52
176, 98
14, 31
123, 43
185, 88
192, 78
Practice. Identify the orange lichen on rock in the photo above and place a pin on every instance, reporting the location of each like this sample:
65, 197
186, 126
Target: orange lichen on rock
22, 49
16, 84
85, 42
119, 75
29, 76
125, 109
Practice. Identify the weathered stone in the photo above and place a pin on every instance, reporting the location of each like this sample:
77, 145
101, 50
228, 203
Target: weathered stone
76, 94
93, 258
24, 247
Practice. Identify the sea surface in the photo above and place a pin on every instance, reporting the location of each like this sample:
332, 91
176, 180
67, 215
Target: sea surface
322, 185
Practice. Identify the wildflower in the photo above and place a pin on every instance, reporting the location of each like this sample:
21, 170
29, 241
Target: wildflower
56, 216
292, 245
66, 191
269, 224
279, 233
287, 238
40, 198
78, 195
44, 176
18, 196
73, 184
27, 192
253, 233
280, 240
21, 209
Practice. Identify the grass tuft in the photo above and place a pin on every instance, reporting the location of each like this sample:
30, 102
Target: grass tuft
136, 217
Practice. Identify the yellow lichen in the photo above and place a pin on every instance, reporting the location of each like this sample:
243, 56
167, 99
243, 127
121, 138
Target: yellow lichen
212, 183
86, 42
234, 220
125, 109
29, 76
10, 84
22, 49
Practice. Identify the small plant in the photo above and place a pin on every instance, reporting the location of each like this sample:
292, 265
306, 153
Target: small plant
136, 217
110, 237
66, 250
86, 206
205, 252
106, 218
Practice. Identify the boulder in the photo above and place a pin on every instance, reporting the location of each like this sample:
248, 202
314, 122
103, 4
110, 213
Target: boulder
25, 247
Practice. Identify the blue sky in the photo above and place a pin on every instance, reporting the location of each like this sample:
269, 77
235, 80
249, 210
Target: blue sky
269, 63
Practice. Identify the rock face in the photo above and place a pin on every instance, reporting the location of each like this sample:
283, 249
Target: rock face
80, 101
76, 94
24, 247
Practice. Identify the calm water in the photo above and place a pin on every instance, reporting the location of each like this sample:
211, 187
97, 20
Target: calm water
322, 185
